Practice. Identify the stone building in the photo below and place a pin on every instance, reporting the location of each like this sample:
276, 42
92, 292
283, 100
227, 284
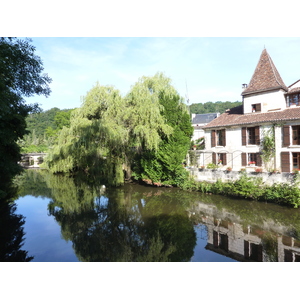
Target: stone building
269, 108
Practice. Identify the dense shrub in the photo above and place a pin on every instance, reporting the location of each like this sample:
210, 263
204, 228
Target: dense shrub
254, 189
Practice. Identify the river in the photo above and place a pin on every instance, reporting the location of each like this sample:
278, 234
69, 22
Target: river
70, 220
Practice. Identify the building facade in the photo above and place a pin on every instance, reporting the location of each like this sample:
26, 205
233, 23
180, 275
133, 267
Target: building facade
199, 121
269, 109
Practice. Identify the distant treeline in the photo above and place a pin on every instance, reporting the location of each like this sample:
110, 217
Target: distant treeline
212, 107
43, 128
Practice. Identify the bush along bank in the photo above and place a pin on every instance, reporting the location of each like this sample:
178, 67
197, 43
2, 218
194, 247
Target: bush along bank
287, 194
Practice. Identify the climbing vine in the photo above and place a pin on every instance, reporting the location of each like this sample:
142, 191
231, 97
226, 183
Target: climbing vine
268, 148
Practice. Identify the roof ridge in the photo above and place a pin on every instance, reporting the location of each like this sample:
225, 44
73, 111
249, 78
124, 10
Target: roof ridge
273, 66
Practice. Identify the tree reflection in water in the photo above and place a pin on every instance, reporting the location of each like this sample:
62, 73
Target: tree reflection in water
131, 223
11, 234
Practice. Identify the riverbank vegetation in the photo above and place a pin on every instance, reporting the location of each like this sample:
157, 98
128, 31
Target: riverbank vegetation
20, 76
251, 188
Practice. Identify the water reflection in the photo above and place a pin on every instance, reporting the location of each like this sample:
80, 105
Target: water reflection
137, 223
132, 223
11, 234
256, 237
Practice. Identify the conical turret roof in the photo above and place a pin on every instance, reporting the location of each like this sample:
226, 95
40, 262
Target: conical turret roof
265, 77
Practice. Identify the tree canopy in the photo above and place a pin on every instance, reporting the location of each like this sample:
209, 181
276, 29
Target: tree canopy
20, 75
108, 130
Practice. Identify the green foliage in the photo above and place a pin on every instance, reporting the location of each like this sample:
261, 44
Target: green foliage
20, 75
212, 166
268, 147
12, 234
254, 189
43, 128
164, 165
149, 129
212, 107
199, 144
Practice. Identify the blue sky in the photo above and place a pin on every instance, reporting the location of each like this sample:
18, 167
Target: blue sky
202, 68
208, 49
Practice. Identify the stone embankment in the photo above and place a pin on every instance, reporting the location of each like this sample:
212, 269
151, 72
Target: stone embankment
213, 175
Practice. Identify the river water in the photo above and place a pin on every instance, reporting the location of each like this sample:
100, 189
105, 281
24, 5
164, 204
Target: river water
69, 219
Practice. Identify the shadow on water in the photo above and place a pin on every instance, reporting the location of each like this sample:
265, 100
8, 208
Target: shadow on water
138, 223
11, 234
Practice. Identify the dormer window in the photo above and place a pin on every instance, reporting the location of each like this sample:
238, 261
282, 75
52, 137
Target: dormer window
293, 99
256, 107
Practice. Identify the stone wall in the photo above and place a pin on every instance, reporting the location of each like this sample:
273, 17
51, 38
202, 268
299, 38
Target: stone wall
214, 175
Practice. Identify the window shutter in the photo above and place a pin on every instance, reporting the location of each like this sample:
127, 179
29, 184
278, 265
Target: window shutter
244, 159
257, 137
286, 135
285, 162
259, 161
244, 136
223, 137
213, 138
214, 158
258, 107
224, 157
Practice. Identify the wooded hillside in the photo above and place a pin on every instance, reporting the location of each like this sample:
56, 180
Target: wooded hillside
212, 107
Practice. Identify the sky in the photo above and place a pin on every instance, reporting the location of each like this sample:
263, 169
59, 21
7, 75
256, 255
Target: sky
207, 48
202, 69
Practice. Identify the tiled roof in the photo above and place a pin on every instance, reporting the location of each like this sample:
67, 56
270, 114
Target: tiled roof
265, 77
203, 118
294, 90
235, 117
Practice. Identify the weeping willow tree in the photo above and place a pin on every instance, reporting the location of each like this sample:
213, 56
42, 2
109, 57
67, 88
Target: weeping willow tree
108, 130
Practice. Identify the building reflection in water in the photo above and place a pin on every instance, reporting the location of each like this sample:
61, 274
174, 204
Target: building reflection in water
228, 236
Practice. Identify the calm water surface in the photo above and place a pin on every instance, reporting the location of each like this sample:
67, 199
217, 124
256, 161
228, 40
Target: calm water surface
71, 220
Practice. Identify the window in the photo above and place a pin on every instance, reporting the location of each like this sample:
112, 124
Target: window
220, 137
219, 158
222, 158
296, 160
256, 107
253, 251
293, 99
296, 135
250, 136
252, 158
